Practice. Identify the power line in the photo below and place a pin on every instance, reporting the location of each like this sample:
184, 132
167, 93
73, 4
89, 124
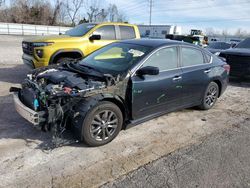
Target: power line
201, 7
214, 20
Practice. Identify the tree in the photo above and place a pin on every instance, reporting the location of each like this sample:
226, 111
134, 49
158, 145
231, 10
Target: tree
73, 7
113, 12
56, 12
210, 31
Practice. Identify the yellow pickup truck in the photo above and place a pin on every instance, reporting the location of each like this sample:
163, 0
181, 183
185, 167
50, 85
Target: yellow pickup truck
75, 43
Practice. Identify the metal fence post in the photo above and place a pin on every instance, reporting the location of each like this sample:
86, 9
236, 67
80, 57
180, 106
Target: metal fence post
8, 28
22, 30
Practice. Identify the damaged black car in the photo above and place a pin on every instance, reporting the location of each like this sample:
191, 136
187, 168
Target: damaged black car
119, 85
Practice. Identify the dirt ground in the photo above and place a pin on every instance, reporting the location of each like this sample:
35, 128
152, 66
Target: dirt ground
24, 163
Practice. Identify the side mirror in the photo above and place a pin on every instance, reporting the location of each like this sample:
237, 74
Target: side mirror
149, 70
95, 37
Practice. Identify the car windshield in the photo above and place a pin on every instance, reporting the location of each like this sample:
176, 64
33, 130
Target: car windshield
116, 58
244, 44
80, 30
219, 45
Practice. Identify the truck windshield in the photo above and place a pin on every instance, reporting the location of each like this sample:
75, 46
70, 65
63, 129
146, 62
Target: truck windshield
116, 58
244, 44
80, 30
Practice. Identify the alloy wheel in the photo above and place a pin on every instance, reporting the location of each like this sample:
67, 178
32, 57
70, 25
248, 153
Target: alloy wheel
211, 96
104, 125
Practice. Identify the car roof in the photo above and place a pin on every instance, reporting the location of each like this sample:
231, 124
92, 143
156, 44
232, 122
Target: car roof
156, 42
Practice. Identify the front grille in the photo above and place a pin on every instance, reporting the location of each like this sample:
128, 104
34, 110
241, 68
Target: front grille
28, 48
240, 65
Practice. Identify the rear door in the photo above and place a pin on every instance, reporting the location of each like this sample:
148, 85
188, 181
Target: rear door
157, 93
195, 74
108, 35
126, 32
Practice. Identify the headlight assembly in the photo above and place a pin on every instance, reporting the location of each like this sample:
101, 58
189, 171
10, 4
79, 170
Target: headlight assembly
41, 44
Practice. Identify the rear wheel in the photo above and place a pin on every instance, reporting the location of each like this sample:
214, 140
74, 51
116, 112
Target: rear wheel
102, 124
210, 97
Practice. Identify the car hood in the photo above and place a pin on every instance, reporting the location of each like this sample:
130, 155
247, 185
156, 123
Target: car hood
237, 51
52, 38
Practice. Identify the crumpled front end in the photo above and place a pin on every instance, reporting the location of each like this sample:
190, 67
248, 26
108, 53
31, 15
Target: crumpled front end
47, 98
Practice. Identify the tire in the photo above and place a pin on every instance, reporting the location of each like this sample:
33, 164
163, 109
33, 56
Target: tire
102, 119
63, 60
210, 96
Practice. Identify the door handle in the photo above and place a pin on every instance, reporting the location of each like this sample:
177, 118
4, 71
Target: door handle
207, 71
176, 78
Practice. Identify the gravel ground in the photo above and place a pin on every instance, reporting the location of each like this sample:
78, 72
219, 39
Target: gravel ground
24, 163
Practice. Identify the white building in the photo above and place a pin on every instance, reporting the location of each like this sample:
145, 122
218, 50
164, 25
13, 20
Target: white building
158, 31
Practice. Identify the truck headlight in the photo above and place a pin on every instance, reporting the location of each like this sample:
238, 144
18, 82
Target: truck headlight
39, 53
41, 44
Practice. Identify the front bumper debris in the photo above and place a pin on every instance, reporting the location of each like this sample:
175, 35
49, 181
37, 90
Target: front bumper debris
59, 137
36, 118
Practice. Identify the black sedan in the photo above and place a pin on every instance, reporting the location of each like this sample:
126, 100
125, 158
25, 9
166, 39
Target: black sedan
239, 59
121, 84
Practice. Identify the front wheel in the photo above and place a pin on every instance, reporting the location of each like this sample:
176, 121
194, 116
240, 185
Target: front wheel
210, 97
102, 124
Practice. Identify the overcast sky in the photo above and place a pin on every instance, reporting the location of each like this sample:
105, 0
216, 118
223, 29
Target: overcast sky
219, 14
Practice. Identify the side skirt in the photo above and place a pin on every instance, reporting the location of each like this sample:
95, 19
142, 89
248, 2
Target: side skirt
133, 123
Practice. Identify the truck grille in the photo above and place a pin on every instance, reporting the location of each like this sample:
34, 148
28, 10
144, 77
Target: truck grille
240, 65
27, 48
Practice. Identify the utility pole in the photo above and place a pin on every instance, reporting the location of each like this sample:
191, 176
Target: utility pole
150, 11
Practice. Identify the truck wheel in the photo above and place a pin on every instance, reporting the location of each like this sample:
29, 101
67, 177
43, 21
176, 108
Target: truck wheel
102, 124
210, 97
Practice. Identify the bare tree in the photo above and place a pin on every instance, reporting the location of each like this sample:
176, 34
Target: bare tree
92, 8
92, 14
73, 7
241, 33
56, 12
122, 18
113, 12
210, 31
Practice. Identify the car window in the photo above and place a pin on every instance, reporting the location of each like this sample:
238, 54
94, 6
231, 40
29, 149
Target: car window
191, 56
164, 59
107, 32
127, 32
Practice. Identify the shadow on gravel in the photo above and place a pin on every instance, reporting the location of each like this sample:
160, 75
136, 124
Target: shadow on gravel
13, 126
240, 82
13, 74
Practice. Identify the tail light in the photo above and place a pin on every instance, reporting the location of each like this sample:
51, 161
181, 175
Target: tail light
227, 68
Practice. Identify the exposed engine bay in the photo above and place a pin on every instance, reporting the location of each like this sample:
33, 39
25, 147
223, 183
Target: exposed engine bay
54, 91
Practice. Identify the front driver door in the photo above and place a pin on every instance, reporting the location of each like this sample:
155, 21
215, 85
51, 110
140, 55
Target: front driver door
108, 35
157, 93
